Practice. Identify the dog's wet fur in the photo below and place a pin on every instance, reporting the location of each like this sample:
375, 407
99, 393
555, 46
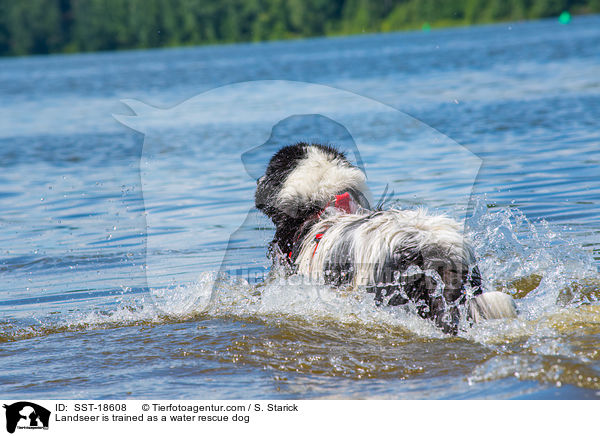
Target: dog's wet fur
402, 256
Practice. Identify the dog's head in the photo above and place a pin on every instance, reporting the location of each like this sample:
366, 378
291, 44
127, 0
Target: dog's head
302, 179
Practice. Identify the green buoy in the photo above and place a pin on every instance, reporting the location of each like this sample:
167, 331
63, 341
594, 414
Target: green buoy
564, 18
426, 27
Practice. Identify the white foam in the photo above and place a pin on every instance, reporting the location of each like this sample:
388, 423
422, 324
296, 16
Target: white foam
507, 245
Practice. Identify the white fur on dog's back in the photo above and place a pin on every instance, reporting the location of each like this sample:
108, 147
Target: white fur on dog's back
317, 178
375, 238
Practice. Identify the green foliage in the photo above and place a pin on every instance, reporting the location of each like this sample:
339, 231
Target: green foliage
53, 26
33, 26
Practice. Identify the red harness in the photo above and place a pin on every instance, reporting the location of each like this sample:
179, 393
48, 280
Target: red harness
343, 202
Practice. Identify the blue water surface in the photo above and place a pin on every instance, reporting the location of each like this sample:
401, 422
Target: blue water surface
111, 238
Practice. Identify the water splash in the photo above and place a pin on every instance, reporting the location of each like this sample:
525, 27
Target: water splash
315, 328
557, 289
544, 270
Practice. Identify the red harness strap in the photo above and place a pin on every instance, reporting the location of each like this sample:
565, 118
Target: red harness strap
343, 202
318, 237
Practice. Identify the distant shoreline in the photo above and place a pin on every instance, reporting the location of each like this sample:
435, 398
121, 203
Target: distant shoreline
82, 29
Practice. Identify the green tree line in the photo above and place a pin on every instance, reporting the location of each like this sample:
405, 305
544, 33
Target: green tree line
66, 26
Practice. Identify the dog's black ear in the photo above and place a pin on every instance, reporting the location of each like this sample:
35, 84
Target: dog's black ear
265, 197
261, 195
280, 166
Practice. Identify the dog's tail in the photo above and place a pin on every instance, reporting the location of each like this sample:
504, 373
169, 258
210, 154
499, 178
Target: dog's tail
492, 305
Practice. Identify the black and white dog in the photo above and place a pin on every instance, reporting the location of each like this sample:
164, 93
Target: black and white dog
327, 230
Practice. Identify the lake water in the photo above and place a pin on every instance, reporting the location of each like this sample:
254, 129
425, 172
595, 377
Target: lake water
131, 257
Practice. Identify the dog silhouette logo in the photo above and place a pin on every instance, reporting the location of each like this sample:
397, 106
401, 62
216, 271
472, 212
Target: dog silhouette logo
26, 415
260, 116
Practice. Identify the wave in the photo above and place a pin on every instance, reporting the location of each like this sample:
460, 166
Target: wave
546, 273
